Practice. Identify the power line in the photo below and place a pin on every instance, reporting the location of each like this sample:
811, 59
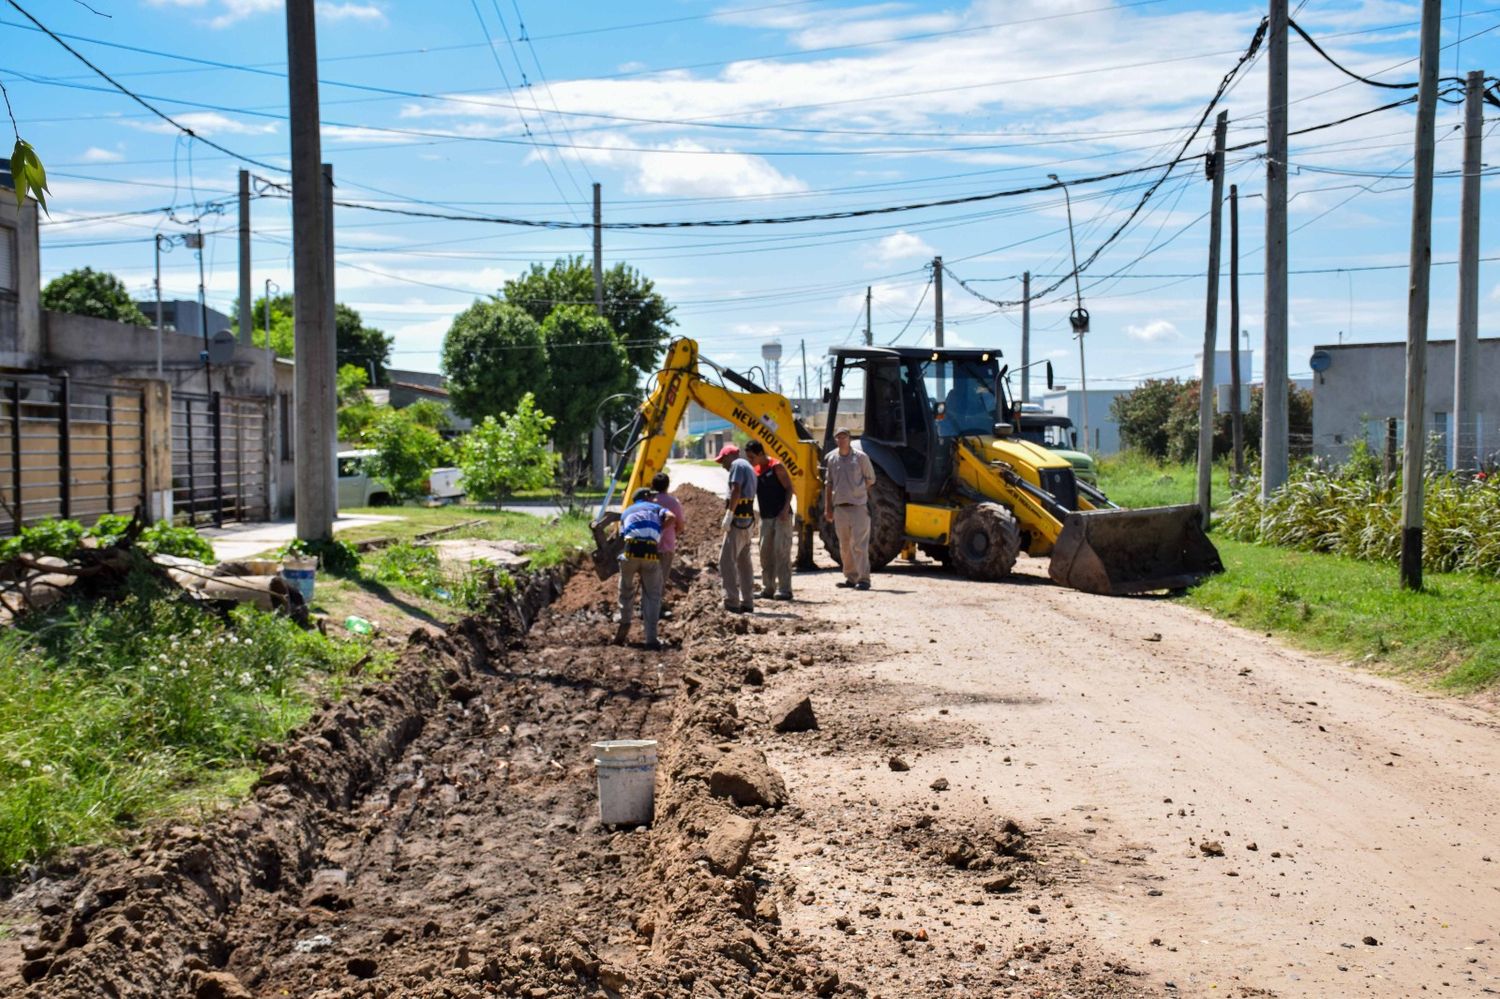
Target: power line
136, 97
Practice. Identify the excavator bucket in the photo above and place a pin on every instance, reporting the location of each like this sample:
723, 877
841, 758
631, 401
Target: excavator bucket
607, 544
1115, 552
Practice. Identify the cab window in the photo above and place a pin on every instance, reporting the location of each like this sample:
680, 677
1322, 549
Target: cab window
351, 467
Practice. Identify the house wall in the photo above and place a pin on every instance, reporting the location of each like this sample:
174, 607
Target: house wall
1366, 383
20, 291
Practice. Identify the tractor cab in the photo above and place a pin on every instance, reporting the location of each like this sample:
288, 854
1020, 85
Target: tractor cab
919, 401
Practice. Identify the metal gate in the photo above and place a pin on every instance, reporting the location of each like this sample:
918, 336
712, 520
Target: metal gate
218, 458
69, 449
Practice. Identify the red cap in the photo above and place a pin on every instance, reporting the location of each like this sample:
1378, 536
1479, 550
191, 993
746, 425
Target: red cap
728, 451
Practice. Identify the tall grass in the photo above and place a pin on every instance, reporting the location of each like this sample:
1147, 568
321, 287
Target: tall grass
1354, 510
111, 710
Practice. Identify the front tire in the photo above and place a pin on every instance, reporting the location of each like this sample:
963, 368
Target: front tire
985, 542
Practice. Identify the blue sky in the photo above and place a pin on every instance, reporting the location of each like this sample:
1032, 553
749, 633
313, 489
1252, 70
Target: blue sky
754, 108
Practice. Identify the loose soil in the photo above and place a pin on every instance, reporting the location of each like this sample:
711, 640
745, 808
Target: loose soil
976, 804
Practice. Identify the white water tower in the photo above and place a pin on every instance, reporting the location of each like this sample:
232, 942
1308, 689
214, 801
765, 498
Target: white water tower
770, 352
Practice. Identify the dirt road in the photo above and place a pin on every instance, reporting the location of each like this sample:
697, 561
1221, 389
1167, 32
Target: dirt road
1221, 814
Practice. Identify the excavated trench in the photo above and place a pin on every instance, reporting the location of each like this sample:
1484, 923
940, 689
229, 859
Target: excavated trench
437, 834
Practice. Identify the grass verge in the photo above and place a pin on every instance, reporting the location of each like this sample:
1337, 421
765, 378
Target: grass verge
1448, 635
115, 711
1133, 480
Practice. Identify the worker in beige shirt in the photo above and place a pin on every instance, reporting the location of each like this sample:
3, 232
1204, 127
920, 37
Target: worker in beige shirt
847, 478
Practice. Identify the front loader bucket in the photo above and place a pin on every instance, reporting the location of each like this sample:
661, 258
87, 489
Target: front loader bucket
1115, 552
607, 544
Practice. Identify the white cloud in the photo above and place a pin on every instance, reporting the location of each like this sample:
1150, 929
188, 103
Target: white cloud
902, 245
232, 12
1156, 331
208, 123
690, 169
96, 155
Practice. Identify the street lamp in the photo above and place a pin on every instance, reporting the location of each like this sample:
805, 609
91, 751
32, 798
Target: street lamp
1079, 317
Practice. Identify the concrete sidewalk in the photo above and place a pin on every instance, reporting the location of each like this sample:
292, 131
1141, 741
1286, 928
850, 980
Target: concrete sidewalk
245, 540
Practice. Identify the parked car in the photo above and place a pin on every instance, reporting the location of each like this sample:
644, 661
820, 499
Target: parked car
356, 487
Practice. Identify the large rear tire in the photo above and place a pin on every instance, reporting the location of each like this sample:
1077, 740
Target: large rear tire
985, 542
887, 524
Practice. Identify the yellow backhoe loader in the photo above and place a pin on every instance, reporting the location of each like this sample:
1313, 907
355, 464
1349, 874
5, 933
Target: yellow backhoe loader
950, 477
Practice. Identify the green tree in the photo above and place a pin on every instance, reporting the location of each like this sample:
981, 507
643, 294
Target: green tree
1143, 414
405, 451
362, 345
429, 413
505, 455
350, 383
584, 366
282, 337
639, 317
492, 356
88, 292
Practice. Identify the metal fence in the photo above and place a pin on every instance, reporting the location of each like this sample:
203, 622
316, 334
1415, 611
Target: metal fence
219, 469
69, 449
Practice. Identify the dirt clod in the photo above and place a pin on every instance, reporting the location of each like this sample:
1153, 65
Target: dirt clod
1211, 848
744, 776
728, 845
795, 714
898, 765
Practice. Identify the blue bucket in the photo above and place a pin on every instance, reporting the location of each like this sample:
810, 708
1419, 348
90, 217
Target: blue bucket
300, 574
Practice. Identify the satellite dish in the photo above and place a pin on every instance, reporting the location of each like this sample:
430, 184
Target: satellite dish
1320, 361
221, 347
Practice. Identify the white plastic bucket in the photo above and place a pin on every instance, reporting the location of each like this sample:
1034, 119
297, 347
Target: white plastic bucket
627, 781
300, 574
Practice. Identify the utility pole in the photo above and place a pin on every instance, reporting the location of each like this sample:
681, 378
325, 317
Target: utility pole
1273, 435
159, 240
332, 310
1206, 382
246, 323
1466, 345
869, 333
1236, 417
1417, 301
596, 435
937, 321
316, 486
1026, 337
805, 386
194, 241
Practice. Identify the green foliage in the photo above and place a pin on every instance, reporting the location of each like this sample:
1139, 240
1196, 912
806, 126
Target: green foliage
639, 317
283, 328
350, 383
1160, 419
502, 456
405, 451
87, 292
364, 347
492, 355
417, 569
429, 413
1448, 633
335, 557
358, 419
1132, 480
109, 707
48, 537
1353, 510
585, 365
27, 172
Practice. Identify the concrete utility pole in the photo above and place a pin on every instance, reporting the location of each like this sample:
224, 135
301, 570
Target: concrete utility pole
937, 320
1026, 337
1206, 383
1417, 301
315, 406
247, 336
1236, 417
869, 333
596, 436
1466, 345
328, 235
1274, 460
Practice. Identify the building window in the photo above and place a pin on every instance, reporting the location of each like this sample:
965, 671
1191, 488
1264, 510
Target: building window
7, 259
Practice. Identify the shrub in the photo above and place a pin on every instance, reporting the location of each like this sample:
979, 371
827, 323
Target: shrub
405, 452
499, 457
335, 557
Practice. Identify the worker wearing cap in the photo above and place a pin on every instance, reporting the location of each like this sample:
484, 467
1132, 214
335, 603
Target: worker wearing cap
735, 568
847, 478
641, 525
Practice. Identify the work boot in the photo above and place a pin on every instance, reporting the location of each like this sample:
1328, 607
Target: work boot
621, 633
863, 584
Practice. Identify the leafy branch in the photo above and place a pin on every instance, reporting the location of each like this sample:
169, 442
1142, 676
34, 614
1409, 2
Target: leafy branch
25, 164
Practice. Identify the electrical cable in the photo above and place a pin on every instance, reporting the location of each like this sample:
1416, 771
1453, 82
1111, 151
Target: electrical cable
895, 339
136, 97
